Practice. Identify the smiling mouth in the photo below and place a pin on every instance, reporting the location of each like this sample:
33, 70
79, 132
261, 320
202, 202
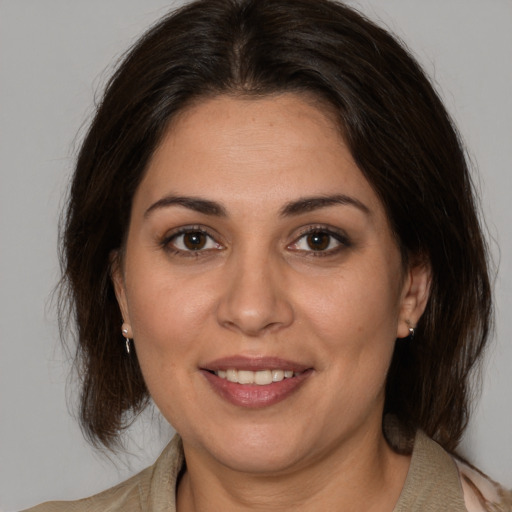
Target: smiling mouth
258, 388
260, 377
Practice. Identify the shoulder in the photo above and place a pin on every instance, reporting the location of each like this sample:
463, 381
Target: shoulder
151, 489
481, 494
124, 496
438, 480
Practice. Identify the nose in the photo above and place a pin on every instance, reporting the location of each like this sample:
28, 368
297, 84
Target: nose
254, 299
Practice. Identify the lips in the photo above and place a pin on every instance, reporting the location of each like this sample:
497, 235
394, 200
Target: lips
255, 382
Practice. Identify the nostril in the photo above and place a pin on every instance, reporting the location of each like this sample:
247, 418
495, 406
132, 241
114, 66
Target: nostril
254, 304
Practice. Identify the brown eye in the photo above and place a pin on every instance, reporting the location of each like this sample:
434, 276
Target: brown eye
195, 241
191, 241
318, 241
321, 241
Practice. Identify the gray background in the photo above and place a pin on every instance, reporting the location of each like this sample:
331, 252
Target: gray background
54, 57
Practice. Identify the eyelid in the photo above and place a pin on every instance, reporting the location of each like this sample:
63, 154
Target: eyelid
338, 234
166, 241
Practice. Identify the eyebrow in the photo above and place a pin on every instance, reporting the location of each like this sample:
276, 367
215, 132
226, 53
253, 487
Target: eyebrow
303, 205
192, 203
308, 204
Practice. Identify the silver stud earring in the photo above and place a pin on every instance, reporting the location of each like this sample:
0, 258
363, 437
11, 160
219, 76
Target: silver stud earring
412, 333
124, 330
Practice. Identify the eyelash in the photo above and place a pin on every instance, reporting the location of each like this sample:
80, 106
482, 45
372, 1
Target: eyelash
167, 242
340, 237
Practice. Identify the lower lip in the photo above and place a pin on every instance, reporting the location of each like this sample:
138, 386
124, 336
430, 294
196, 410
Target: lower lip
252, 395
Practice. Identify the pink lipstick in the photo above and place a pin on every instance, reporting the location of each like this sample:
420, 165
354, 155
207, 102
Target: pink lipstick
255, 382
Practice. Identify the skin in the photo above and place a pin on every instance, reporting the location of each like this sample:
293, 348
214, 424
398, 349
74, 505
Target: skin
258, 288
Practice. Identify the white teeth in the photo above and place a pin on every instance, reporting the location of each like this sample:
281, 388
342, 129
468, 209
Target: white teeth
245, 377
277, 375
260, 377
263, 377
232, 375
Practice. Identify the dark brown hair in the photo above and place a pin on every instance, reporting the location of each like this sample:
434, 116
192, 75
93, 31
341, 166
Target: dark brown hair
399, 134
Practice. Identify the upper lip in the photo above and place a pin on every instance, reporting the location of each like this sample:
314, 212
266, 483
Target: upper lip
254, 364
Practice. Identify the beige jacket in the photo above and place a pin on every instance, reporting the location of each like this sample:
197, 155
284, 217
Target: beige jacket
435, 482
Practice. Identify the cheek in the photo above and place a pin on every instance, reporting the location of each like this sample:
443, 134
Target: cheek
168, 318
358, 326
358, 306
354, 318
167, 311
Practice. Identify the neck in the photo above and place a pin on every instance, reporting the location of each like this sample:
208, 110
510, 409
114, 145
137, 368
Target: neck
361, 475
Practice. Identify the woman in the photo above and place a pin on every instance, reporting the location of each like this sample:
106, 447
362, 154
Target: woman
271, 231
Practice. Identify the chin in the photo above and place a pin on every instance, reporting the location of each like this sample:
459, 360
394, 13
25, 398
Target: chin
259, 459
255, 450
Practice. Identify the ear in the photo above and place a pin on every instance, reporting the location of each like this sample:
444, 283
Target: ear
117, 276
415, 294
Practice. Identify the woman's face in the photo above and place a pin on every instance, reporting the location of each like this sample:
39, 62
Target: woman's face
257, 250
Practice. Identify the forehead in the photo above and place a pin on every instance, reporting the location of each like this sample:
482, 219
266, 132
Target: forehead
269, 149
